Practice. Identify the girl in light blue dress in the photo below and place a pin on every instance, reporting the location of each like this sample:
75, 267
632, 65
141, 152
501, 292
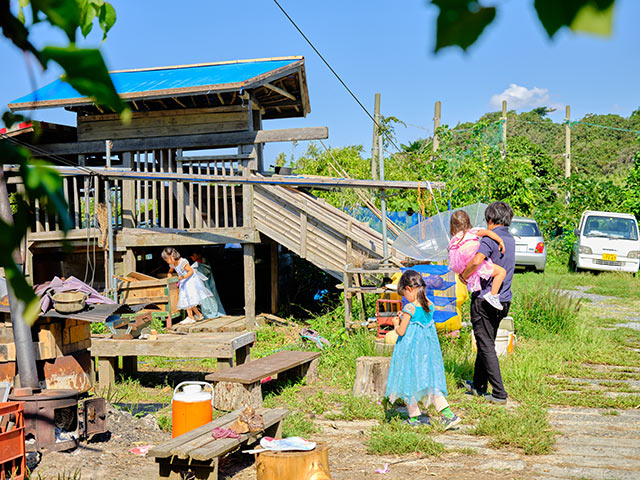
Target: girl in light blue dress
416, 372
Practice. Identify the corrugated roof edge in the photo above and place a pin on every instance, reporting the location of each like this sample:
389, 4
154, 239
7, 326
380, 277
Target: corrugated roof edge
299, 61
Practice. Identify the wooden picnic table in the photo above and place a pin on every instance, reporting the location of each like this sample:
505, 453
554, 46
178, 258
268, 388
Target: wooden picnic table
229, 348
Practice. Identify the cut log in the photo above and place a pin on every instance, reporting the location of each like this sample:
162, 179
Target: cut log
311, 465
231, 395
371, 376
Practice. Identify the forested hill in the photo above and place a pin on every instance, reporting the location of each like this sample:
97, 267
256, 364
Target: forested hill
601, 145
529, 174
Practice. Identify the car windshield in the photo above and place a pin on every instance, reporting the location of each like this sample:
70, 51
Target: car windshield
524, 229
610, 227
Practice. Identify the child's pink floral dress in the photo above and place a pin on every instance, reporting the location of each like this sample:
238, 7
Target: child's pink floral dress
462, 248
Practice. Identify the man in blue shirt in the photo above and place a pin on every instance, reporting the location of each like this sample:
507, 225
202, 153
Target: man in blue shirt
485, 319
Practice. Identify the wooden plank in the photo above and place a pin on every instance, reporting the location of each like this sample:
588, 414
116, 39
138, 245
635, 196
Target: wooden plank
207, 140
220, 324
231, 157
216, 197
76, 203
167, 449
138, 209
206, 345
280, 91
163, 205
158, 126
210, 224
225, 445
146, 191
199, 209
128, 197
162, 113
154, 197
303, 234
172, 188
189, 200
180, 210
262, 368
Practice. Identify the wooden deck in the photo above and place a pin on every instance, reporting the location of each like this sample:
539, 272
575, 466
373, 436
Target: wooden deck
227, 323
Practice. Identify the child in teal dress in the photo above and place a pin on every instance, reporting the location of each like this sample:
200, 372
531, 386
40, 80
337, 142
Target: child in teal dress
416, 372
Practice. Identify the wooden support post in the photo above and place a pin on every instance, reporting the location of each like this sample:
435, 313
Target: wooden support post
567, 146
249, 255
347, 299
274, 277
130, 366
181, 186
224, 363
107, 367
243, 355
128, 197
129, 261
374, 148
504, 129
436, 125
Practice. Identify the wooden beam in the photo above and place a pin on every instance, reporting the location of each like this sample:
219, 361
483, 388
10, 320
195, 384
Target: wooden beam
219, 98
292, 181
249, 256
175, 99
280, 91
204, 140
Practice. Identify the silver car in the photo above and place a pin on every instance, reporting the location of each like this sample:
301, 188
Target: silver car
531, 251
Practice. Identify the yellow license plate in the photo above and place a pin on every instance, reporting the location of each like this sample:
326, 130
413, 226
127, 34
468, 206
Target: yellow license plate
610, 257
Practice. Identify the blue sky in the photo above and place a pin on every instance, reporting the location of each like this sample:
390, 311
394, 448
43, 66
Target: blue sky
375, 48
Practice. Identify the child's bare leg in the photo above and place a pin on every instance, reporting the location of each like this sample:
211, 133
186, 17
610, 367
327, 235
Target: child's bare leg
190, 313
414, 410
196, 312
499, 274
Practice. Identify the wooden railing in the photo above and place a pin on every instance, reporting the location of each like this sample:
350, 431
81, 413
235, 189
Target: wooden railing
151, 203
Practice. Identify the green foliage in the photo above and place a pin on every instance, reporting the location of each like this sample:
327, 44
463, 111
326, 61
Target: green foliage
461, 22
86, 71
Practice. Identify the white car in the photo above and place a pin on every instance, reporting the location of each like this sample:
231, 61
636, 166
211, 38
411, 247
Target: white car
607, 241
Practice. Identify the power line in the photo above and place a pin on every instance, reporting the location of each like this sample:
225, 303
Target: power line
336, 74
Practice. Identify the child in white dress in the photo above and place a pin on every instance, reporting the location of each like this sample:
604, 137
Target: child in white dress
192, 289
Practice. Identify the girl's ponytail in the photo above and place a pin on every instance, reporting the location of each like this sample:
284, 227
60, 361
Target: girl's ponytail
411, 278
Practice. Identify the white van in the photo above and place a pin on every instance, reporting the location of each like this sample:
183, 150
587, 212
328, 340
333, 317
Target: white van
607, 241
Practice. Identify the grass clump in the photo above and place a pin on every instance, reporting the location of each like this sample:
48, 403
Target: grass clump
298, 425
541, 311
397, 438
358, 408
526, 428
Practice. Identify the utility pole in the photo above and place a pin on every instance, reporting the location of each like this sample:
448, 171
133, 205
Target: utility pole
504, 128
25, 356
567, 148
383, 202
376, 133
436, 126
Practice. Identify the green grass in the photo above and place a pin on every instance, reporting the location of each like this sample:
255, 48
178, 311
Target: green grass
298, 425
526, 428
397, 438
610, 412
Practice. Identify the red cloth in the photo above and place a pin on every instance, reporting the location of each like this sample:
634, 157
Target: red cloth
218, 433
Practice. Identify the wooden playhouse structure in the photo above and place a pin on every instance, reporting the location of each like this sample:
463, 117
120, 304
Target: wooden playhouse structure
188, 170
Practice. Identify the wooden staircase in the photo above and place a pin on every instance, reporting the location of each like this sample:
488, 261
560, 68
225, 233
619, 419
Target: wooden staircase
314, 229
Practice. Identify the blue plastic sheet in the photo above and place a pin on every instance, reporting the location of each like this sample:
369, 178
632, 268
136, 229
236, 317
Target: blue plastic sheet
443, 299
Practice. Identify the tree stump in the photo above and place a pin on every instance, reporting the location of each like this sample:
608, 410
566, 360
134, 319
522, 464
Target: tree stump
311, 465
232, 395
371, 376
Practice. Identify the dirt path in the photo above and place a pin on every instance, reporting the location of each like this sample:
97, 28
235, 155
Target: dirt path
592, 443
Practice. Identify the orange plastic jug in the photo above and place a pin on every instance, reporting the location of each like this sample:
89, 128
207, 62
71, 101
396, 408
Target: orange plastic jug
192, 407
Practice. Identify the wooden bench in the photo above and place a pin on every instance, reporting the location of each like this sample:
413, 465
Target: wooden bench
241, 385
229, 348
198, 452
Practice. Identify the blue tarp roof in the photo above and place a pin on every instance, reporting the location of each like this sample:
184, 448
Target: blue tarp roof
189, 79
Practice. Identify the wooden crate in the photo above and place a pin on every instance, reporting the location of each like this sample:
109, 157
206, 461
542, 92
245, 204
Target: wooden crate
140, 288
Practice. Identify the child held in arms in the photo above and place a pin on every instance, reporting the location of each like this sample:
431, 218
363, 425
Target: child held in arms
464, 244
